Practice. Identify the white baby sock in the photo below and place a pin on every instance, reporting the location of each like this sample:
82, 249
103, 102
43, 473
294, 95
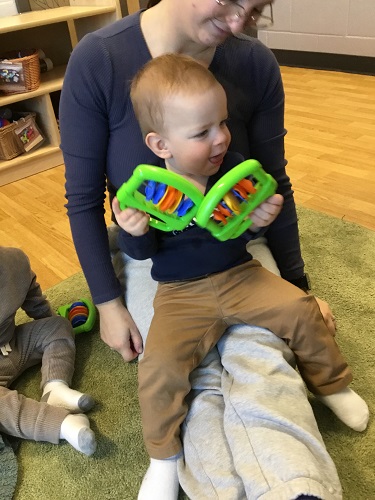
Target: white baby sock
348, 407
58, 393
76, 430
160, 481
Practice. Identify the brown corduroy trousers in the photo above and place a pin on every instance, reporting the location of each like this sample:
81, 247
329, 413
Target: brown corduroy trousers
191, 316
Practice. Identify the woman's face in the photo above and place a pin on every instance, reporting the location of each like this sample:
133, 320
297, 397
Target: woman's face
206, 22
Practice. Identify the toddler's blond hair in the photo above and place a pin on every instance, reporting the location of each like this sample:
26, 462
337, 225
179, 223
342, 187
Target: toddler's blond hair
161, 78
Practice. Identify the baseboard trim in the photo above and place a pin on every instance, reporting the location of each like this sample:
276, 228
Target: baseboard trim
319, 60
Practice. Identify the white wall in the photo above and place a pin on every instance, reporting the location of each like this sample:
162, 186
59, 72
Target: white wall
328, 26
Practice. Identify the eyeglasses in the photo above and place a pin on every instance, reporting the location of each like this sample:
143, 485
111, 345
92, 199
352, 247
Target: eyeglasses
258, 19
262, 19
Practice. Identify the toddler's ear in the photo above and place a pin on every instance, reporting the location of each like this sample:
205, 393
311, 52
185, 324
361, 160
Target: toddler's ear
158, 145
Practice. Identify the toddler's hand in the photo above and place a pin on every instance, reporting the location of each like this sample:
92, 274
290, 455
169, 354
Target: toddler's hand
267, 212
131, 220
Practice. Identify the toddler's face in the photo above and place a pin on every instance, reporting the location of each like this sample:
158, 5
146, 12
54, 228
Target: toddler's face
196, 132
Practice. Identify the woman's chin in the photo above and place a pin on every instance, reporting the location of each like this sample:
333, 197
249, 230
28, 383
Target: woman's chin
214, 35
220, 30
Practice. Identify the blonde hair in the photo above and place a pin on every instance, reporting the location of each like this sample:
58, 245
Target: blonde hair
161, 78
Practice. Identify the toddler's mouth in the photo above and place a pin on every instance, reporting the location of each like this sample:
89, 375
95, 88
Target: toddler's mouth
217, 159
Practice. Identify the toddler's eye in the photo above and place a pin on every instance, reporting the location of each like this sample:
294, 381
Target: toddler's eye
201, 134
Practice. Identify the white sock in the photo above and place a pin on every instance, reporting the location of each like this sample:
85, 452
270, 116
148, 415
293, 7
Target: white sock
58, 393
348, 407
160, 481
76, 430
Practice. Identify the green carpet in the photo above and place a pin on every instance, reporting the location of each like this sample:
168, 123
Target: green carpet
340, 258
8, 469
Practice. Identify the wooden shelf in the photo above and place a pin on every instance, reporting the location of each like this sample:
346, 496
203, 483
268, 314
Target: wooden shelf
50, 82
79, 20
49, 16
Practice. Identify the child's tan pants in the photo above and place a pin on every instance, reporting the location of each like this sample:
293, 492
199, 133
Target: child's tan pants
191, 316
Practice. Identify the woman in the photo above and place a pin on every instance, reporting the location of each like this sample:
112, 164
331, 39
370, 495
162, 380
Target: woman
101, 141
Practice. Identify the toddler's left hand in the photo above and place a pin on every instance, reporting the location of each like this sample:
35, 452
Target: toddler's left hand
267, 212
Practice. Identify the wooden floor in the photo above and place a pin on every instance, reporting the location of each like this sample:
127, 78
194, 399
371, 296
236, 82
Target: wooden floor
330, 146
330, 118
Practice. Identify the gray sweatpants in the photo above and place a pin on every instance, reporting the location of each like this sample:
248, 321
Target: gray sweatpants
51, 342
250, 431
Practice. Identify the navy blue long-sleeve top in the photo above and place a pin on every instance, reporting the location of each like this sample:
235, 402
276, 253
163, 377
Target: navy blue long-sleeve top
102, 143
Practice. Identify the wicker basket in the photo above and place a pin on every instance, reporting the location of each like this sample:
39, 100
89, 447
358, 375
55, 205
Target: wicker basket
11, 144
19, 71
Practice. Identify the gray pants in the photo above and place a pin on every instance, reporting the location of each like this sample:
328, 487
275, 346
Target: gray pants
250, 431
51, 342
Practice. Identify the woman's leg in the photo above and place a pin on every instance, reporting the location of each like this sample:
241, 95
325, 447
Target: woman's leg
251, 433
269, 424
260, 251
206, 470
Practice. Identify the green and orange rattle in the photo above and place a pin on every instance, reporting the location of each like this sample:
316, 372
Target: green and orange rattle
173, 202
81, 314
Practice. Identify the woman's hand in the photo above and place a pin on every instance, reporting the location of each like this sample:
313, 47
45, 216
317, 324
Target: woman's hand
267, 212
327, 314
131, 220
118, 330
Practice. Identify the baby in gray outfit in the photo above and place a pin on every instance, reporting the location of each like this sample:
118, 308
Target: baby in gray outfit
48, 340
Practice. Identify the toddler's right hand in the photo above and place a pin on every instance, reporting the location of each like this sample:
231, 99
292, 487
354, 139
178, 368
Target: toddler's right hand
131, 220
266, 212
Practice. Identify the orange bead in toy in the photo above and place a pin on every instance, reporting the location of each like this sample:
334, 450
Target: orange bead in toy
73, 314
77, 310
248, 185
168, 199
219, 217
223, 210
177, 200
240, 190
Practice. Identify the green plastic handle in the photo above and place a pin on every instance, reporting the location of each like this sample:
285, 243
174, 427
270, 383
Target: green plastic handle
265, 186
129, 196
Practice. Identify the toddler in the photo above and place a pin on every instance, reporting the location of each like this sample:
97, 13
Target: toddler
48, 339
205, 285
